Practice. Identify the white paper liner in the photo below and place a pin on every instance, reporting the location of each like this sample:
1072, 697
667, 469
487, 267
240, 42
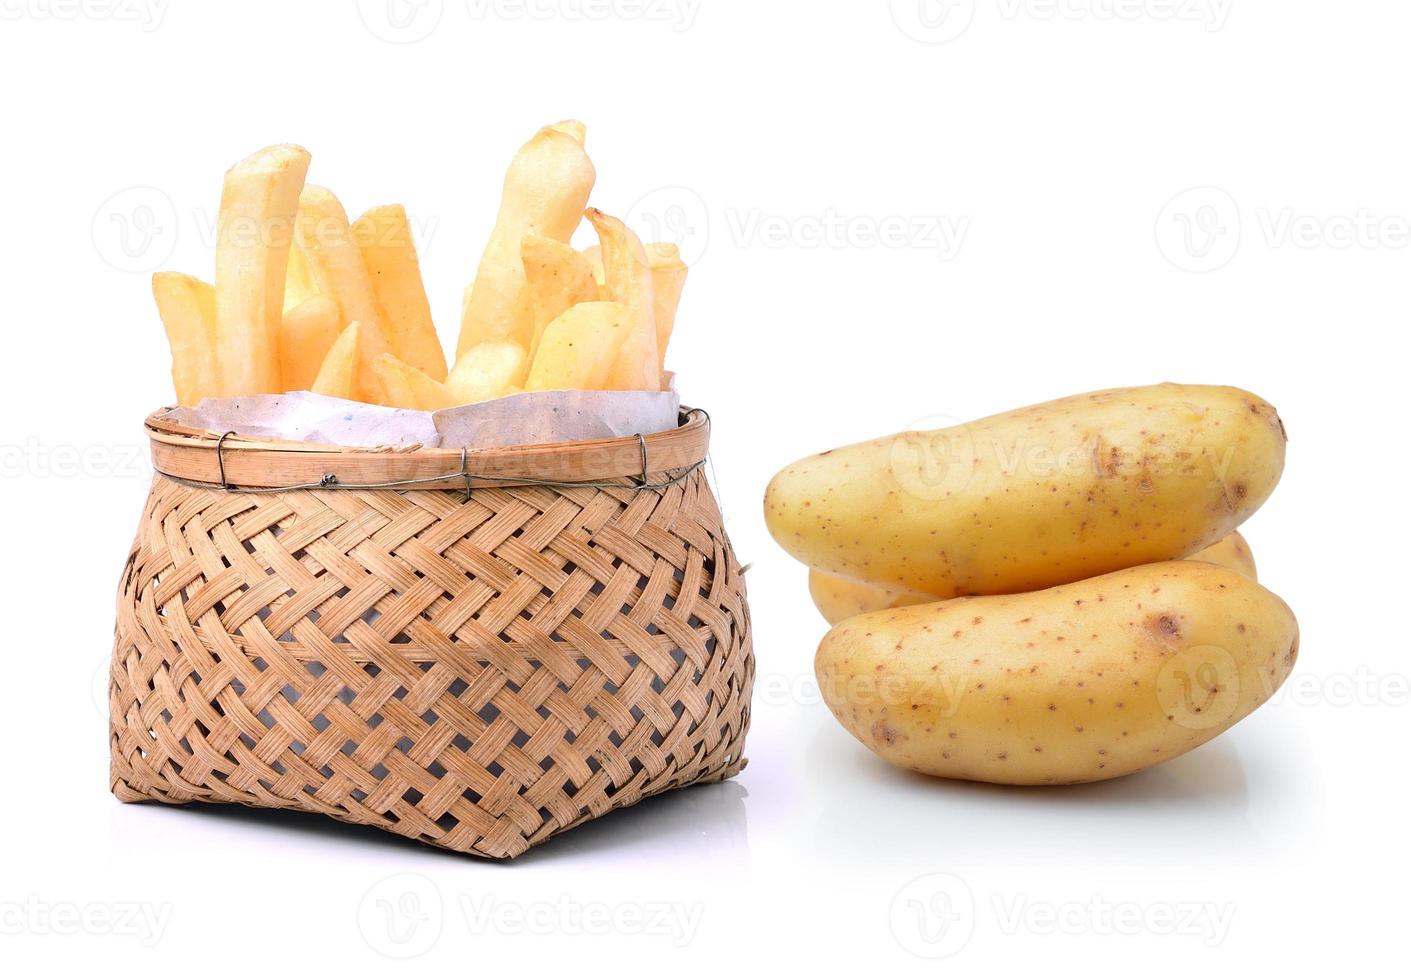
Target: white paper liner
529, 418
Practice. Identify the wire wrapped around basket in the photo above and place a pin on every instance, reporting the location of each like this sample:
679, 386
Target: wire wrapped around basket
476, 671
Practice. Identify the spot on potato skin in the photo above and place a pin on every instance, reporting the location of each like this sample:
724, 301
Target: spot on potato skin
1164, 627
885, 734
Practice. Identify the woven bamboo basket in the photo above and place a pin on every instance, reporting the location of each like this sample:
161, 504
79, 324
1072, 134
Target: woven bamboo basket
498, 646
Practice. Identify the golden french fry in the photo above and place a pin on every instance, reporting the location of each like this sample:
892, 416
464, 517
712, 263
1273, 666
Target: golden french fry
579, 348
629, 282
257, 207
336, 262
338, 375
188, 310
593, 255
668, 279
308, 333
556, 277
486, 371
407, 387
545, 191
384, 236
299, 279
571, 128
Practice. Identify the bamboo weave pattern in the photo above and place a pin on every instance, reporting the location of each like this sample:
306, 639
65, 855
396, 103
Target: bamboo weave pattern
478, 675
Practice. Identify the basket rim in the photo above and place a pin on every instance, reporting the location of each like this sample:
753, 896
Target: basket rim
235, 462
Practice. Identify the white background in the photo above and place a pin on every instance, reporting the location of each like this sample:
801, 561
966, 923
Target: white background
1075, 196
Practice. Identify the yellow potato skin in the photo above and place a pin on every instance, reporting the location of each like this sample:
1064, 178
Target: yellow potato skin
1036, 497
1081, 682
1231, 551
838, 598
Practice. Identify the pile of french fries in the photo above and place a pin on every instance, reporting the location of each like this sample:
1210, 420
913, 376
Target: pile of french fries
305, 300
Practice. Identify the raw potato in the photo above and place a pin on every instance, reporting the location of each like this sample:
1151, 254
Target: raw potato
1081, 682
187, 307
309, 332
838, 598
545, 192
384, 236
1231, 551
1043, 495
253, 233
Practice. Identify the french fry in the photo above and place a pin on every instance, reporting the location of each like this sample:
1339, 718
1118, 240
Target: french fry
188, 310
338, 375
298, 280
544, 193
384, 236
486, 371
407, 387
579, 348
668, 279
308, 333
337, 266
556, 277
257, 207
593, 255
571, 128
629, 281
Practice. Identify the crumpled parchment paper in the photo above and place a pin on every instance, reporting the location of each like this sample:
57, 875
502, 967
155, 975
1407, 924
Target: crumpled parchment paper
525, 419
